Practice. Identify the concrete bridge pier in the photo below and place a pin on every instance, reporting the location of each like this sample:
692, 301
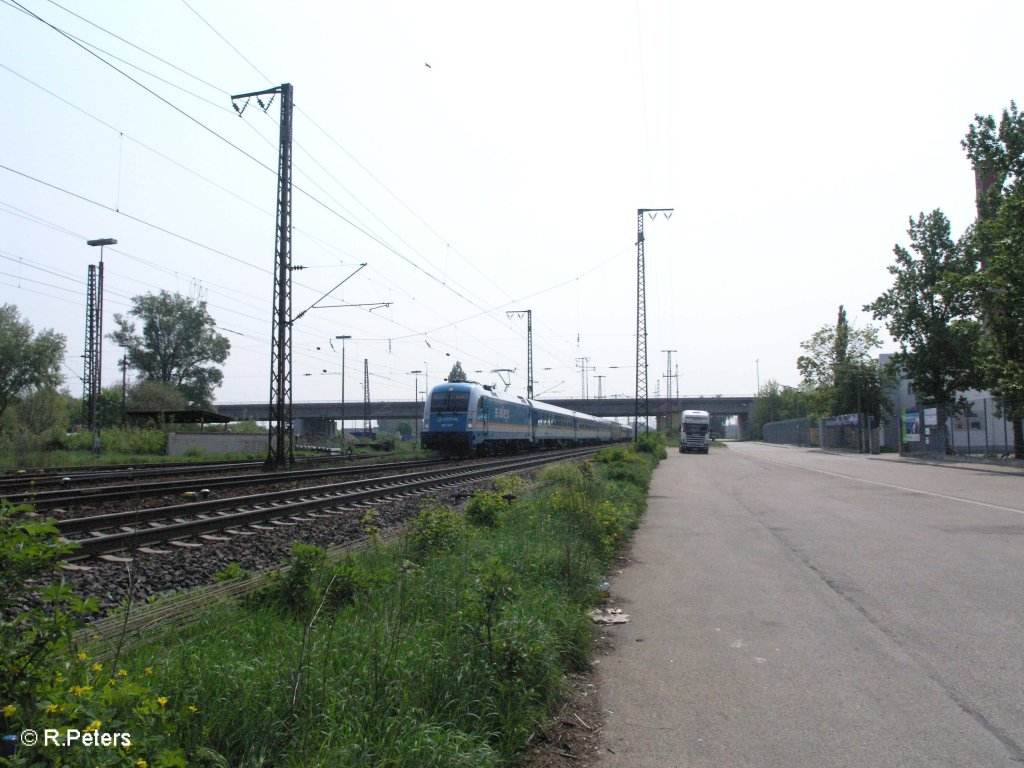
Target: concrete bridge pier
314, 426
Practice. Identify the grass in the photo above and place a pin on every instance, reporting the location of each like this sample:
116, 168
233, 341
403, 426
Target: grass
445, 650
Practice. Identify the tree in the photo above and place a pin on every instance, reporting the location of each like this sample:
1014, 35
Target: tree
457, 374
27, 362
155, 396
778, 402
43, 410
998, 243
831, 346
177, 346
930, 312
839, 373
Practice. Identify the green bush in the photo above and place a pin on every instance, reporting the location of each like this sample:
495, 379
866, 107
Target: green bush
653, 443
485, 508
436, 527
48, 682
448, 649
232, 571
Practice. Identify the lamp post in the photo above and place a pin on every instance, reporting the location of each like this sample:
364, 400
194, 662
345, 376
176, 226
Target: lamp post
416, 400
97, 348
124, 385
343, 337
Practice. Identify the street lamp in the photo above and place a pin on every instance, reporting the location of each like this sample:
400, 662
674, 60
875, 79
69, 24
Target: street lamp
343, 337
416, 400
124, 385
97, 350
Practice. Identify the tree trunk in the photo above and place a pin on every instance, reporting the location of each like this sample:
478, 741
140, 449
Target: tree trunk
1018, 438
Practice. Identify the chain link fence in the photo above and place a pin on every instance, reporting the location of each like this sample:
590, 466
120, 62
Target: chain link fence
802, 431
977, 427
972, 426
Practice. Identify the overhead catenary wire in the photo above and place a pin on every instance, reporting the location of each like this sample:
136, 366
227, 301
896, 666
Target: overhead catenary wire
410, 333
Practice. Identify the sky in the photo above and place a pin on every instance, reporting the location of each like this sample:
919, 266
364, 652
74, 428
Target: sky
484, 158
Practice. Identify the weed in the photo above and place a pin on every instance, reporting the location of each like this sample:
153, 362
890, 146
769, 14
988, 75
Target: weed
231, 572
437, 527
485, 508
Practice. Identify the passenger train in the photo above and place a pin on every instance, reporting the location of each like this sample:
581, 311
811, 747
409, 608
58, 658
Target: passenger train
463, 418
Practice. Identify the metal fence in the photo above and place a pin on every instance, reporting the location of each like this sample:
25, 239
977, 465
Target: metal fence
802, 431
976, 426
848, 432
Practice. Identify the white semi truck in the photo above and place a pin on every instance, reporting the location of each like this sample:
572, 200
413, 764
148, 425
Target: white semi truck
694, 431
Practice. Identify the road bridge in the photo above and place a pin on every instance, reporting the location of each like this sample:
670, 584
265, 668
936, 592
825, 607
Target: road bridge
313, 417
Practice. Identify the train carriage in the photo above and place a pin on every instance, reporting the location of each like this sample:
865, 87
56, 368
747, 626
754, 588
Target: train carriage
463, 418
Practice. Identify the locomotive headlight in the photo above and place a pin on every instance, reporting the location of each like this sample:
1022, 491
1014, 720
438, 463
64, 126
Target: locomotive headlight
469, 424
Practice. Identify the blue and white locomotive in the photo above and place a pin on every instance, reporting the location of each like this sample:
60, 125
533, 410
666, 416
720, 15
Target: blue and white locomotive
463, 418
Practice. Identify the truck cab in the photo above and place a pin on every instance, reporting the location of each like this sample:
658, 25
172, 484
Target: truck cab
694, 431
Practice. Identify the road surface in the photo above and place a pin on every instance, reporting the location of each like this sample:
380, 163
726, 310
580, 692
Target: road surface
796, 608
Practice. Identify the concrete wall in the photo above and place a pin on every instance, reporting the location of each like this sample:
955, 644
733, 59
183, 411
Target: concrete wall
179, 443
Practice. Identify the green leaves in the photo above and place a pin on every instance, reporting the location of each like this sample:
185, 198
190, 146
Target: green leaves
27, 362
178, 344
929, 309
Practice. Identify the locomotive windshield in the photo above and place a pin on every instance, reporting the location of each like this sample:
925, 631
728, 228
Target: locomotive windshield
449, 402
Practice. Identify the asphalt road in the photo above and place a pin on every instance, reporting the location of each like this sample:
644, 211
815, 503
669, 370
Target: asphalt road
795, 608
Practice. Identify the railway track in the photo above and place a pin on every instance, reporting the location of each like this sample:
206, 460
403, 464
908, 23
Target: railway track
20, 485
219, 520
45, 500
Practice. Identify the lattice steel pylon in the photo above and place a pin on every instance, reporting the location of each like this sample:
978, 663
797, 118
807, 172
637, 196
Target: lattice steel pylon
367, 428
529, 347
668, 373
280, 450
642, 407
90, 374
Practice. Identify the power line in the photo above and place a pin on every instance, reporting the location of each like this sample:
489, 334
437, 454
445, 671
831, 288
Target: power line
218, 34
133, 218
143, 86
140, 49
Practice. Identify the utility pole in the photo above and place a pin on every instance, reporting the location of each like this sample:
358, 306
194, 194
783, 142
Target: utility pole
94, 341
280, 449
124, 386
584, 364
642, 407
668, 373
367, 429
89, 376
600, 380
343, 337
529, 347
416, 400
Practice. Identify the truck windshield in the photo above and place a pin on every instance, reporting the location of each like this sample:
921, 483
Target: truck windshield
449, 402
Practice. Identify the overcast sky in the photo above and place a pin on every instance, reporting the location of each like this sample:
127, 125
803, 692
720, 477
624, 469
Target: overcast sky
481, 158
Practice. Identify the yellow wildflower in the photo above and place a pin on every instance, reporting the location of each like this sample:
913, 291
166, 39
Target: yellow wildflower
93, 726
140, 763
82, 655
97, 667
148, 670
9, 710
161, 700
52, 709
78, 690
192, 709
122, 673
